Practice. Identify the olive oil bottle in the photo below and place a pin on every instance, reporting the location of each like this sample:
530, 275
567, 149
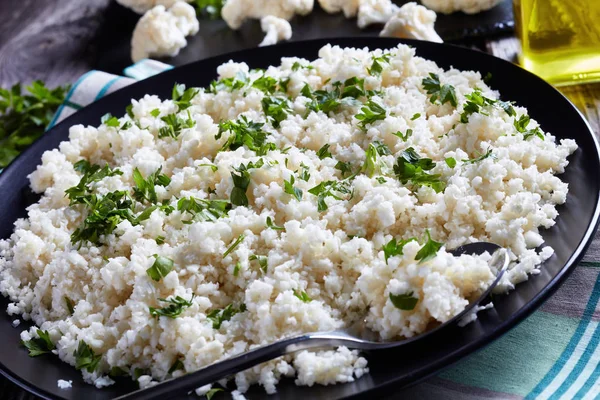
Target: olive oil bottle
560, 39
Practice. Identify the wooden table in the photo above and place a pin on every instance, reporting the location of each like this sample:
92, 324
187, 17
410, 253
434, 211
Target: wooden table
59, 40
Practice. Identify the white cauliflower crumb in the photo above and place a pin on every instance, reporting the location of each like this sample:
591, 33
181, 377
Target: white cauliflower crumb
161, 32
349, 7
466, 6
16, 323
62, 384
375, 12
235, 12
412, 21
141, 6
276, 29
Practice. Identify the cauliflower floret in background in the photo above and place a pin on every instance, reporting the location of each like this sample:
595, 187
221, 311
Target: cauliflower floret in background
162, 32
349, 7
141, 6
235, 12
276, 29
375, 12
466, 6
414, 22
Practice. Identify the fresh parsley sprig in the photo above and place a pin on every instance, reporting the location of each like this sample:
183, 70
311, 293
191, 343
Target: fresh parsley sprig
40, 345
160, 268
437, 91
183, 97
487, 154
174, 125
145, 190
203, 209
244, 132
235, 244
376, 67
210, 9
404, 301
335, 189
370, 113
395, 247
217, 317
241, 181
411, 167
303, 296
289, 188
521, 127
429, 249
85, 358
276, 109
176, 306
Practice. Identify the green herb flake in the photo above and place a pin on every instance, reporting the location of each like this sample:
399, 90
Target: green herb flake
381, 179
302, 296
176, 306
481, 157
145, 190
296, 66
395, 248
241, 181
235, 244
160, 240
174, 125
109, 120
404, 301
404, 136
217, 317
335, 189
305, 173
437, 91
236, 269
210, 9
324, 152
451, 162
288, 187
429, 250
209, 395
411, 167
370, 113
244, 132
203, 209
376, 67
70, 306
160, 268
183, 97
266, 84
272, 225
416, 116
40, 345
262, 261
344, 167
521, 127
155, 113
276, 109
85, 358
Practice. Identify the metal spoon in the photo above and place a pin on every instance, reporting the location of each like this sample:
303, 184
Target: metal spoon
357, 336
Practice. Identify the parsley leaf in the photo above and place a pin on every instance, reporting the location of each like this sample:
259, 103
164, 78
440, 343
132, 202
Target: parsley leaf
236, 269
481, 157
238, 82
451, 162
376, 68
371, 112
296, 66
370, 165
85, 357
475, 101
241, 181
40, 345
344, 167
276, 108
302, 296
324, 152
70, 306
404, 301
109, 120
262, 261
404, 136
271, 225
161, 268
429, 250
174, 125
416, 116
174, 309
24, 117
305, 174
209, 395
244, 132
182, 97
145, 188
410, 167
521, 127
203, 209
235, 244
290, 189
155, 113
213, 167
210, 9
266, 84
395, 248
217, 317
443, 93
334, 189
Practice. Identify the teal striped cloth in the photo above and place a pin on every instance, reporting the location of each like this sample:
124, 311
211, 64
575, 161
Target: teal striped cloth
553, 354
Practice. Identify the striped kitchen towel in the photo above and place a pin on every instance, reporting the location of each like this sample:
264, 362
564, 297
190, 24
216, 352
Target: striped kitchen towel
554, 354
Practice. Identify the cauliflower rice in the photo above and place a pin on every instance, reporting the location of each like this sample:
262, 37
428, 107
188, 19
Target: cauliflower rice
319, 265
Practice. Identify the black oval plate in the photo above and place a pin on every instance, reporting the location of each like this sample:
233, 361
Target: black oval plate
569, 237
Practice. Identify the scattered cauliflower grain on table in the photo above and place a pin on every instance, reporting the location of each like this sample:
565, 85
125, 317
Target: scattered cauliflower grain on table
277, 202
276, 30
62, 384
162, 32
466, 6
412, 21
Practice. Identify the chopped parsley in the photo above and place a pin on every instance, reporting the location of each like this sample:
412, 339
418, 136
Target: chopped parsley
344, 167
174, 125
376, 67
437, 91
302, 296
370, 113
209, 395
217, 317
334, 189
296, 66
272, 225
288, 187
416, 116
209, 8
521, 127
85, 357
109, 120
324, 152
155, 113
236, 269
276, 108
160, 240
235, 244
92, 173
370, 165
475, 102
305, 173
70, 305
394, 248
182, 97
410, 167
40, 345
266, 84
213, 167
160, 268
404, 136
238, 82
203, 209
262, 261
177, 365
429, 250
451, 162
245, 133
381, 179
241, 181
145, 188
481, 157
405, 301
176, 306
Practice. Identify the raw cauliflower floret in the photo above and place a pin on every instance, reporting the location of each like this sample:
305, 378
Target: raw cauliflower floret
466, 6
375, 12
276, 30
414, 22
349, 7
162, 32
235, 12
141, 6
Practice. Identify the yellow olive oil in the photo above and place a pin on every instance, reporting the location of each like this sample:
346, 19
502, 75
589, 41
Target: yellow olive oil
560, 39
